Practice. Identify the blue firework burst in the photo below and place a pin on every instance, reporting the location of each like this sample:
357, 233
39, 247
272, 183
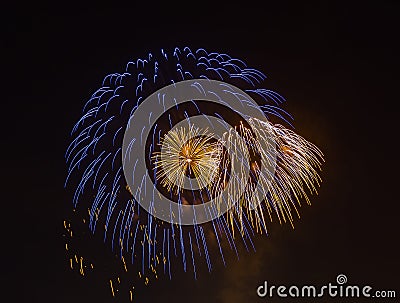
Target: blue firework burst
95, 159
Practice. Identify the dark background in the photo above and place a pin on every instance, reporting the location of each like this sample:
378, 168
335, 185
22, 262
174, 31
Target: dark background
335, 63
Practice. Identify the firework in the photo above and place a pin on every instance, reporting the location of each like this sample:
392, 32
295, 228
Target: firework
178, 146
188, 153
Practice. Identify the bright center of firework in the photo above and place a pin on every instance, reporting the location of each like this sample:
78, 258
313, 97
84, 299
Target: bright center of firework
193, 156
188, 153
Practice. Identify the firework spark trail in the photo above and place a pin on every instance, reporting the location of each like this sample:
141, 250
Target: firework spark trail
94, 158
297, 168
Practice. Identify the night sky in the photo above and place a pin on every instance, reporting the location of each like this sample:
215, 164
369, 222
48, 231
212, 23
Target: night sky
337, 66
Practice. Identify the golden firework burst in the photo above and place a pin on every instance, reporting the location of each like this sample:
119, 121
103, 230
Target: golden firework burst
286, 169
188, 153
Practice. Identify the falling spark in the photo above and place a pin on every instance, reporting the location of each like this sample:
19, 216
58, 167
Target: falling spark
112, 288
